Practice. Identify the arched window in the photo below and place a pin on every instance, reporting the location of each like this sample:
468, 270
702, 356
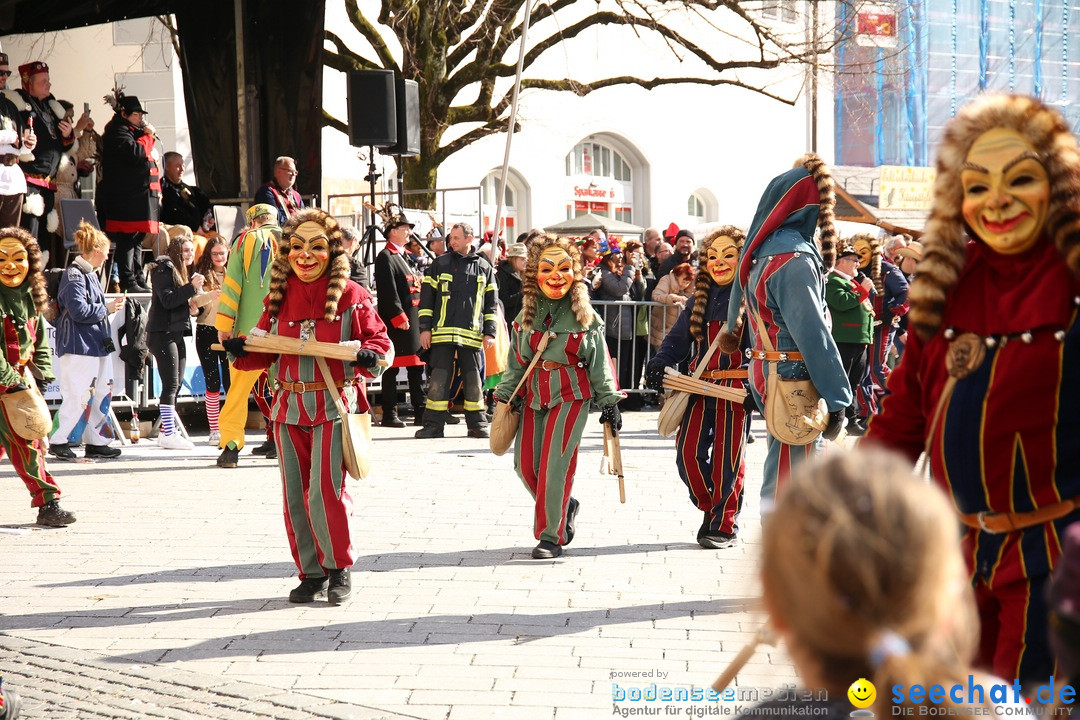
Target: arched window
695, 208
701, 207
514, 201
602, 182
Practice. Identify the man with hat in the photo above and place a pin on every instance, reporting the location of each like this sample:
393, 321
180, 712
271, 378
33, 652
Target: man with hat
280, 192
129, 194
508, 278
851, 307
684, 253
397, 285
16, 143
45, 118
247, 282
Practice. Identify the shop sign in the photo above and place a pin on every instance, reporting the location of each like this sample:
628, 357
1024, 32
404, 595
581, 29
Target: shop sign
875, 25
906, 188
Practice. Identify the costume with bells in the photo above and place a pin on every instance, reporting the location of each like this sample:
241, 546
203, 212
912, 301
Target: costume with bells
575, 371
22, 300
710, 441
781, 280
988, 386
311, 296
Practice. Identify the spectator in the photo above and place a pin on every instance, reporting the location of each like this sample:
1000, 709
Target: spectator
673, 290
398, 283
684, 251
16, 143
652, 240
354, 250
663, 251
852, 311
43, 117
894, 244
437, 245
908, 258
417, 255
67, 174
215, 363
863, 577
84, 347
169, 322
279, 192
509, 277
617, 280
130, 190
183, 204
457, 320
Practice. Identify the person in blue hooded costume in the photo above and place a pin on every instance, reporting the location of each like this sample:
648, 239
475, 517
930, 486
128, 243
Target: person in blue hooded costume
781, 285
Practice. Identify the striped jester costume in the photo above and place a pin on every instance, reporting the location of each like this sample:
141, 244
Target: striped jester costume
305, 421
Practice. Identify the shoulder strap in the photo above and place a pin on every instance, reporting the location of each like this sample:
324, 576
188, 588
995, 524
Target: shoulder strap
328, 380
762, 332
536, 358
709, 353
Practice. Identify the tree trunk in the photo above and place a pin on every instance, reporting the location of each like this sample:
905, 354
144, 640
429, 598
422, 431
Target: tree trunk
421, 173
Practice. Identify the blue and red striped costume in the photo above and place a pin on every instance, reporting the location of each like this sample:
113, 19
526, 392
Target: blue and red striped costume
781, 276
709, 443
1009, 435
890, 305
306, 425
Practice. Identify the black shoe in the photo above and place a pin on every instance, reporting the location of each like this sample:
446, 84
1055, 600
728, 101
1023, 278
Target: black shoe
228, 458
545, 550
52, 515
719, 541
61, 451
856, 427
452, 419
571, 517
480, 432
265, 449
308, 590
750, 438
418, 417
392, 420
271, 454
704, 529
340, 586
430, 431
102, 451
136, 288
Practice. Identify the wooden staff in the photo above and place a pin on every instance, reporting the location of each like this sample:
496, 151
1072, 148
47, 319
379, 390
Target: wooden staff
678, 381
763, 635
278, 345
613, 455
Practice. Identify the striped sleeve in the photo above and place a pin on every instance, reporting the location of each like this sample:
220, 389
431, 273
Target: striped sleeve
229, 304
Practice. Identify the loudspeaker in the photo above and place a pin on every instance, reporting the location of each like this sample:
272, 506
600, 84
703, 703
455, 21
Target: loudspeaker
408, 119
372, 108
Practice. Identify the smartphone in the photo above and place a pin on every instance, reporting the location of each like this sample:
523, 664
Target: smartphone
86, 108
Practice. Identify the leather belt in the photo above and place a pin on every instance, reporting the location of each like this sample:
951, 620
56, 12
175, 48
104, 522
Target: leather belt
996, 523
9, 159
742, 374
553, 365
311, 386
771, 356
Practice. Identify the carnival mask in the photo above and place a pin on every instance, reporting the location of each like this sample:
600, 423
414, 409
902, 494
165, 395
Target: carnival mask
309, 251
1006, 191
14, 262
720, 259
555, 272
866, 253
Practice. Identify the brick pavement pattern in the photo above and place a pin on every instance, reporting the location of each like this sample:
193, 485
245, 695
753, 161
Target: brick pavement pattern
167, 599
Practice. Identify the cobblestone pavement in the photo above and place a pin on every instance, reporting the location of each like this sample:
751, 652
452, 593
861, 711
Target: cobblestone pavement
167, 598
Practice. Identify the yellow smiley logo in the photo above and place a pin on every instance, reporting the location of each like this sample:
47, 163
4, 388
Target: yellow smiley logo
862, 693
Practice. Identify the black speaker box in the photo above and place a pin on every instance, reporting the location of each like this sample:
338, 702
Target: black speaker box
408, 119
373, 116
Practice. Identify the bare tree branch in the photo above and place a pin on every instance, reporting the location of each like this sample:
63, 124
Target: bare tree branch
386, 58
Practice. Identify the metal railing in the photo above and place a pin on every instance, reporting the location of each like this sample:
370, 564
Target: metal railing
639, 348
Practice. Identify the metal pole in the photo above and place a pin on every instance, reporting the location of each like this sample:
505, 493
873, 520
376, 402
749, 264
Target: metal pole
495, 253
814, 77
241, 99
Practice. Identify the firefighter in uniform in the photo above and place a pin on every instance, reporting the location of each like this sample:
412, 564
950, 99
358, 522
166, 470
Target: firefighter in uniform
457, 320
22, 300
988, 386
709, 443
311, 296
575, 371
781, 278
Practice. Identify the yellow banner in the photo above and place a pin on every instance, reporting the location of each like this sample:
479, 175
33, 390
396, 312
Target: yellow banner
906, 188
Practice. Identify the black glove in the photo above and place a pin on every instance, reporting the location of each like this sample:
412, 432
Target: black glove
836, 424
654, 377
365, 358
749, 405
16, 388
235, 346
612, 417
